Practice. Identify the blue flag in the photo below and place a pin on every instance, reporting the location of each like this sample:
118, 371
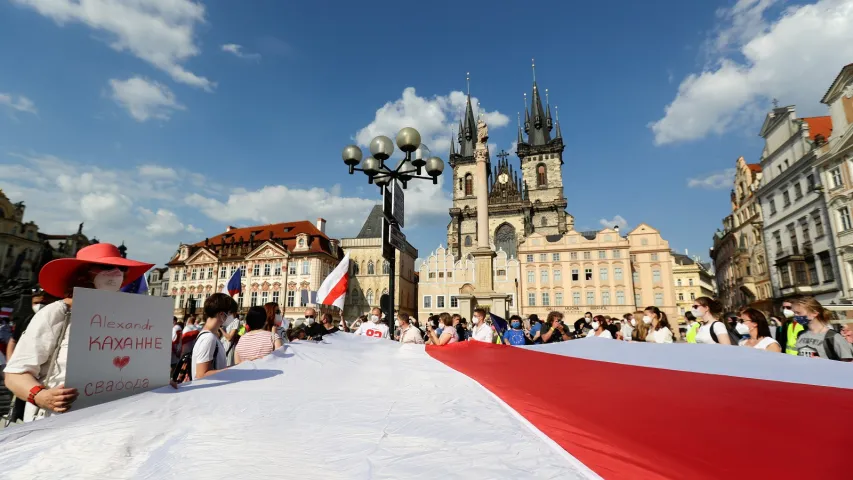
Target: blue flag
499, 324
140, 286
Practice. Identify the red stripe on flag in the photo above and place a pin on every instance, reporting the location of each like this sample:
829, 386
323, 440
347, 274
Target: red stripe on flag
339, 289
630, 422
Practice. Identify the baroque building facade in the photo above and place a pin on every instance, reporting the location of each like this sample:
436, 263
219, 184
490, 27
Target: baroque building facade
282, 263
693, 279
158, 282
739, 256
369, 271
797, 230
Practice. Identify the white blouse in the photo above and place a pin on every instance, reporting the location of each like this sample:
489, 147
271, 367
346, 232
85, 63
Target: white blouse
34, 352
762, 344
664, 335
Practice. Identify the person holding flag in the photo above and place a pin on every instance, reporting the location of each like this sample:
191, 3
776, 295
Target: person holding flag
333, 291
230, 330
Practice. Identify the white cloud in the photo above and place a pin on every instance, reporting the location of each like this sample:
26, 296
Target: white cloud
18, 103
714, 181
793, 58
144, 99
237, 50
157, 171
616, 221
164, 222
160, 32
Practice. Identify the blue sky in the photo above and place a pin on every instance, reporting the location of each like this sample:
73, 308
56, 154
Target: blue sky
157, 121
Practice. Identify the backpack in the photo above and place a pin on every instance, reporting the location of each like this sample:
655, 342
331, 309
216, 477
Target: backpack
183, 371
733, 336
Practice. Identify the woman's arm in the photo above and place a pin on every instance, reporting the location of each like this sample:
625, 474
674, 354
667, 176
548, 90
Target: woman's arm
57, 399
445, 337
276, 342
774, 347
237, 359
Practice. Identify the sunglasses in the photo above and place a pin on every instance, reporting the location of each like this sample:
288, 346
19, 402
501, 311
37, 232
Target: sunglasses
696, 306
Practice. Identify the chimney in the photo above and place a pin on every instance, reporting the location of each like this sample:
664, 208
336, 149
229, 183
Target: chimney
321, 224
229, 228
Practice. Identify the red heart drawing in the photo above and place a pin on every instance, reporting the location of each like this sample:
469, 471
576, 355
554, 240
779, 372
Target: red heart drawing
121, 362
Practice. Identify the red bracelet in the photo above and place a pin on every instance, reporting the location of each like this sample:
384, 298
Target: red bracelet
33, 392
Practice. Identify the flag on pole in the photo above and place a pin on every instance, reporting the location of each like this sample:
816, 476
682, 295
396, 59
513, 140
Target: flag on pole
140, 286
333, 291
234, 285
499, 325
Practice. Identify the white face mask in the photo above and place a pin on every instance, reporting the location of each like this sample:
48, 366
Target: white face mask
109, 280
742, 329
595, 325
309, 320
788, 313
374, 318
37, 307
647, 320
696, 313
396, 323
475, 320
633, 323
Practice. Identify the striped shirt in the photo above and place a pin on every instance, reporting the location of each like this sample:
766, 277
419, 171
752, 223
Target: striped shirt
255, 345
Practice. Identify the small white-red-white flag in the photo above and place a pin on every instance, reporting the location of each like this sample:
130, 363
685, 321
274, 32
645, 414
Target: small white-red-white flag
333, 291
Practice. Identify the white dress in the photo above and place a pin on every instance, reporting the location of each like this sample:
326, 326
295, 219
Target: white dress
762, 344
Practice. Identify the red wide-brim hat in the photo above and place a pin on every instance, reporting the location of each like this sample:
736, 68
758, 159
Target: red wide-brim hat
56, 275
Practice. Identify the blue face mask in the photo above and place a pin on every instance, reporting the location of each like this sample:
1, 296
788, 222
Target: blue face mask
801, 319
516, 324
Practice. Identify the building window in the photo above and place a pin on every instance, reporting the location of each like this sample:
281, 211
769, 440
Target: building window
277, 269
620, 297
678, 282
777, 239
306, 267
265, 297
555, 257
692, 296
291, 268
587, 255
810, 182
222, 272
587, 274
656, 276
772, 204
275, 297
835, 178
454, 301
543, 276
541, 176
530, 258
431, 274
813, 271
617, 254
253, 301
439, 301
193, 276
638, 302
690, 282
636, 277
558, 276
680, 296
502, 273
209, 273
267, 268
590, 298
531, 276
558, 298
573, 255
256, 270
602, 254
467, 240
806, 235
658, 299
786, 199
576, 298
818, 225
242, 271
654, 257
633, 258
531, 299
800, 276
605, 297
784, 277
602, 274
291, 298
543, 257
844, 219
617, 273
826, 263
575, 275
546, 299
798, 191
644, 242
386, 267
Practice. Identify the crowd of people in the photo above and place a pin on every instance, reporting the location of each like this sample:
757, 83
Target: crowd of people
37, 349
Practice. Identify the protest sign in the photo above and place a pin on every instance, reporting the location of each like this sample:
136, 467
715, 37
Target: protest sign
119, 345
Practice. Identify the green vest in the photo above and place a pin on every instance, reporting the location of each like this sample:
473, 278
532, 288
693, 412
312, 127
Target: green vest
791, 345
692, 331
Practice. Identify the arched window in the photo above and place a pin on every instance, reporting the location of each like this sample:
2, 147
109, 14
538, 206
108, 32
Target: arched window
541, 176
460, 184
505, 239
467, 240
355, 268
370, 269
469, 184
370, 297
386, 267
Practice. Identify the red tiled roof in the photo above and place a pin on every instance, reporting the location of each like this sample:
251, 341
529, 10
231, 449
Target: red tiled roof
819, 126
754, 167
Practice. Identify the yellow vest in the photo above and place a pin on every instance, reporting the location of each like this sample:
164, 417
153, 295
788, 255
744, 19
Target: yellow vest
692, 331
791, 345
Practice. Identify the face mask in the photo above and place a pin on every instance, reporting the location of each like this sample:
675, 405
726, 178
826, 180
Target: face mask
696, 313
633, 323
788, 313
396, 323
309, 320
475, 320
647, 320
37, 307
802, 320
595, 325
516, 324
109, 280
374, 318
742, 329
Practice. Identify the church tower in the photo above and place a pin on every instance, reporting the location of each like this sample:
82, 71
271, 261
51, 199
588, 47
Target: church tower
541, 157
462, 230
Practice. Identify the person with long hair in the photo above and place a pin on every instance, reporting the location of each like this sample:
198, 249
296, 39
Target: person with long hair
641, 329
660, 331
257, 342
599, 328
818, 339
37, 370
759, 331
708, 311
448, 333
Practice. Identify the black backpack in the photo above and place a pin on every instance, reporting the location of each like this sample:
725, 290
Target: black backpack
733, 336
183, 371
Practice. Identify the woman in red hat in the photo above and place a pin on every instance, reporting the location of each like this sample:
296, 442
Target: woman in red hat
37, 371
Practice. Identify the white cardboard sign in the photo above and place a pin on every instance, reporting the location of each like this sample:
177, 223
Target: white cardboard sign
119, 344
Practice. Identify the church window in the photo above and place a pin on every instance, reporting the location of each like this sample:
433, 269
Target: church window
354, 268
469, 184
468, 240
505, 239
370, 297
541, 176
370, 269
386, 267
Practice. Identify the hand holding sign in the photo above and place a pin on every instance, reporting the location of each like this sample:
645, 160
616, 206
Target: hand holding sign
57, 399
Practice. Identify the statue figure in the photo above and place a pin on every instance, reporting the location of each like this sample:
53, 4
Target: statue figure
482, 132
80, 229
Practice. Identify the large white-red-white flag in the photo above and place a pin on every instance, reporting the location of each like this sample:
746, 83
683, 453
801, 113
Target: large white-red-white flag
333, 291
